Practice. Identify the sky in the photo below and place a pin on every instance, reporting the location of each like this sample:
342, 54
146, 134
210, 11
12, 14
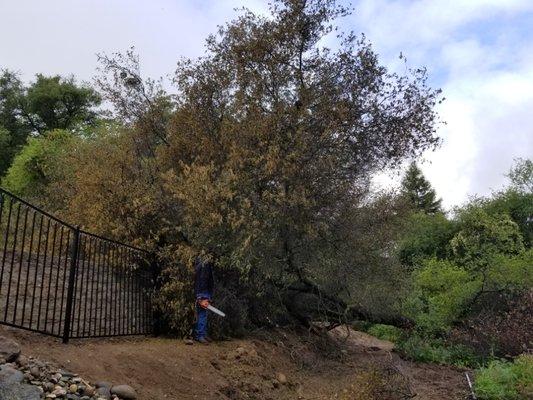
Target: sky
479, 52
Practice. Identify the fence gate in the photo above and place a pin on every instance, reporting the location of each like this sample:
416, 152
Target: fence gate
62, 281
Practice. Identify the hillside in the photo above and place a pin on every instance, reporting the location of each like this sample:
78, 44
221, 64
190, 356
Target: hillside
267, 365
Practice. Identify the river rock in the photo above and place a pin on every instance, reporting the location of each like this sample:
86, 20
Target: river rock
18, 391
88, 391
35, 372
59, 392
125, 392
9, 350
9, 375
103, 392
22, 361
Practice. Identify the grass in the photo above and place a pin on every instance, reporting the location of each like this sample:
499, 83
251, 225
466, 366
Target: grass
505, 380
425, 349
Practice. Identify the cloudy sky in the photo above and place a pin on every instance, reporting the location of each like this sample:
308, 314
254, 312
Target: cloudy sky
480, 52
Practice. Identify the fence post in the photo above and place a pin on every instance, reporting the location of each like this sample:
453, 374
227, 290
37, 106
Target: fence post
71, 282
156, 313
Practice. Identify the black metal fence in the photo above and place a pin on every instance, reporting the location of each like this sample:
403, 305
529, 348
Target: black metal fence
62, 281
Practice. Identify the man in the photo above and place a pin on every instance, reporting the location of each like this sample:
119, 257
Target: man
203, 292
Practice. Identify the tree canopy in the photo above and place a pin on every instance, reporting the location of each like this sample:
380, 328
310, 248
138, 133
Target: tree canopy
419, 192
48, 103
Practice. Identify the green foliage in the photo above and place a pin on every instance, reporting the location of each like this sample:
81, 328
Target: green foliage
53, 102
39, 163
521, 175
417, 189
437, 351
483, 236
441, 290
504, 380
426, 236
13, 130
6, 150
518, 204
386, 332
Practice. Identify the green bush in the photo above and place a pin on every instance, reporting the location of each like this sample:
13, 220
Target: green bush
426, 236
385, 332
440, 292
41, 161
503, 380
437, 351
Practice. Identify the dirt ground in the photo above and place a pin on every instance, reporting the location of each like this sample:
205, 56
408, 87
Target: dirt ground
339, 366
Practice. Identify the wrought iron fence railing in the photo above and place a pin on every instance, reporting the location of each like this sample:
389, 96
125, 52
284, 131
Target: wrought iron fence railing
62, 281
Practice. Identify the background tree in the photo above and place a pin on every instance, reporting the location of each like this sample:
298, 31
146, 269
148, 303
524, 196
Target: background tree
419, 192
54, 102
521, 175
44, 105
13, 131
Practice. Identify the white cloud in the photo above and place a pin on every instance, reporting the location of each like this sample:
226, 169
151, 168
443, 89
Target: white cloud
486, 74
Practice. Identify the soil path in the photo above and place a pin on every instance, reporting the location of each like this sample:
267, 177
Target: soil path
163, 368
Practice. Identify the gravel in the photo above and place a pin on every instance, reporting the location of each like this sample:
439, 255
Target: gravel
27, 378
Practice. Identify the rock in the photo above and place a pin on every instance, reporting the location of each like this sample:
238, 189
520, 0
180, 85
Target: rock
48, 386
9, 375
103, 384
281, 378
72, 396
35, 372
88, 391
124, 392
18, 391
22, 361
59, 392
103, 392
73, 388
9, 350
68, 374
188, 342
85, 398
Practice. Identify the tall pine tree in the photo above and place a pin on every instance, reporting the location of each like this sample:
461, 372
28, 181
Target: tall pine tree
419, 192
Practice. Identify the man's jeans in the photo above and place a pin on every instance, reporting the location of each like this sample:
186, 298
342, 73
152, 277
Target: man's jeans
201, 319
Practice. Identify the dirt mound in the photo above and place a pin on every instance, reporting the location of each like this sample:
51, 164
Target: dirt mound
269, 365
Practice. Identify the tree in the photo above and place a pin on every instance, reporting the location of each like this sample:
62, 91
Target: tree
265, 156
419, 192
13, 131
521, 175
53, 102
48, 103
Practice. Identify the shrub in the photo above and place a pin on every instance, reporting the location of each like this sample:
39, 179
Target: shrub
426, 236
441, 291
437, 351
503, 380
385, 332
